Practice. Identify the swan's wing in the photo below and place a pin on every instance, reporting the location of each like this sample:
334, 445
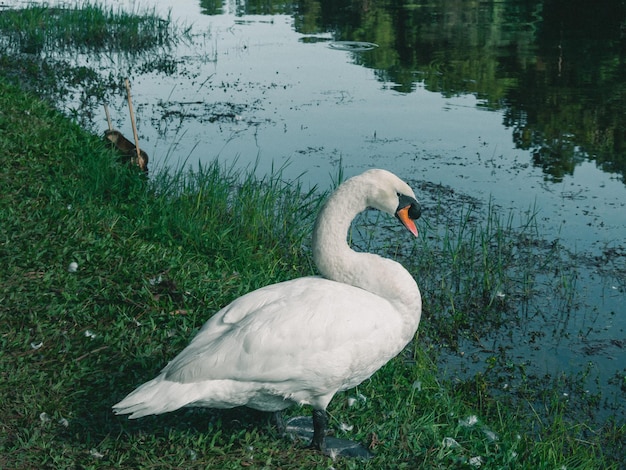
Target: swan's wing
305, 329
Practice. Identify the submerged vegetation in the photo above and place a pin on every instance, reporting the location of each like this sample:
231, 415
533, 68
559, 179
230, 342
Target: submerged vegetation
478, 265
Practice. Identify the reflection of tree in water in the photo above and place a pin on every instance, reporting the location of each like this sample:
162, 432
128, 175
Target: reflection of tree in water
554, 67
570, 105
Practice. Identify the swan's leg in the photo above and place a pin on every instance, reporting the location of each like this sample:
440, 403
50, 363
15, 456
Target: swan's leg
302, 428
319, 429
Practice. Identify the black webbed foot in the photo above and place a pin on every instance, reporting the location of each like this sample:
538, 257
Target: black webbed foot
304, 428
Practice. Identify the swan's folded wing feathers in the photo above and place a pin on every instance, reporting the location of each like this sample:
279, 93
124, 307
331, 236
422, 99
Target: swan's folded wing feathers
255, 301
279, 338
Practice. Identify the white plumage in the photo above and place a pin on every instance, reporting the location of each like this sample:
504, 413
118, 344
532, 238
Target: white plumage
303, 340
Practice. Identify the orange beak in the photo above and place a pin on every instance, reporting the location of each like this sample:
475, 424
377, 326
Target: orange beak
408, 222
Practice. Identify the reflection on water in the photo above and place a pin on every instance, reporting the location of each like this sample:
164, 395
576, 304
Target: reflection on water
554, 67
519, 101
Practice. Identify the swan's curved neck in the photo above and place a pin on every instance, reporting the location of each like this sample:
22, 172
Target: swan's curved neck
338, 262
331, 251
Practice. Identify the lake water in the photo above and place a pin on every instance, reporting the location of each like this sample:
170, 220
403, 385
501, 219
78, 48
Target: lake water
520, 102
256, 91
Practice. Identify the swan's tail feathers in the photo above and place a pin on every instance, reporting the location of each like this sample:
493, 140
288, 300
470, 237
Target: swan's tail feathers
152, 398
160, 395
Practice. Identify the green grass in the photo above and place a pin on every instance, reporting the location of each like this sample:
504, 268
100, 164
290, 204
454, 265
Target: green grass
485, 266
93, 27
155, 259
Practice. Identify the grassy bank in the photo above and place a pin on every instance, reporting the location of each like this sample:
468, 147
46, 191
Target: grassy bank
154, 259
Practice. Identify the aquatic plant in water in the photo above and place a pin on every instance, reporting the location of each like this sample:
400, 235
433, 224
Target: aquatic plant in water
90, 27
44, 49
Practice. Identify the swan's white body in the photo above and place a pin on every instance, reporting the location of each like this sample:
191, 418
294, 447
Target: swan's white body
303, 340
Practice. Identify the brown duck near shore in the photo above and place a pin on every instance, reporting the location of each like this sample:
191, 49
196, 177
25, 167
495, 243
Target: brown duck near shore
127, 149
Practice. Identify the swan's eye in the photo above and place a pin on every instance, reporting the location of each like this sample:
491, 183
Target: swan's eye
415, 211
414, 208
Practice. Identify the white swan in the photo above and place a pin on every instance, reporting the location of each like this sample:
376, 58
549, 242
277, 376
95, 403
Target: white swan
303, 340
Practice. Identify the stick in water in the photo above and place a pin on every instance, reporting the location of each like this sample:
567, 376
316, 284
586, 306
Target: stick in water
140, 160
106, 111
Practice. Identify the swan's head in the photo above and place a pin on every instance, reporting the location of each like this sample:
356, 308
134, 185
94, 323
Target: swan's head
392, 195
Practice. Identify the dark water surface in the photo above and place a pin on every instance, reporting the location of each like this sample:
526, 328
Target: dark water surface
518, 102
